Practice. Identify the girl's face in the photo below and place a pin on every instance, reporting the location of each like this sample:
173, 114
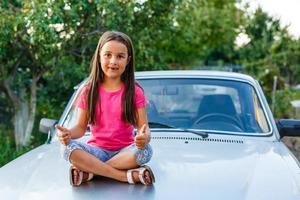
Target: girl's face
114, 58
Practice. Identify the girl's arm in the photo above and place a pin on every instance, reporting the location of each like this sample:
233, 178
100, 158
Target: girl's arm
77, 131
80, 127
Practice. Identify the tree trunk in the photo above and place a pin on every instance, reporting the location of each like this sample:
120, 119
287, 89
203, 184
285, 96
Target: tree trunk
20, 122
32, 110
24, 112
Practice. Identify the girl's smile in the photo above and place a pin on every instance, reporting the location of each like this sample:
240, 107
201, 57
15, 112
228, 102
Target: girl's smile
114, 58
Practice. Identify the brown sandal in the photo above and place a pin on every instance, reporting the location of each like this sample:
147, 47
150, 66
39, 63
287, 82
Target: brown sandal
80, 174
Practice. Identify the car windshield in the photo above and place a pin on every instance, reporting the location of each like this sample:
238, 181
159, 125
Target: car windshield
205, 104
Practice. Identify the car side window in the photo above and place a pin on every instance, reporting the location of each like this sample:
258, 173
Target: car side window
72, 115
259, 114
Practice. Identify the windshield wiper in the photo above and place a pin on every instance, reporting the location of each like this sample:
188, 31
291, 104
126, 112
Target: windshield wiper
162, 125
159, 125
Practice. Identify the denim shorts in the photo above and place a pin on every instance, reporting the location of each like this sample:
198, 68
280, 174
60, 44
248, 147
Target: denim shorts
142, 156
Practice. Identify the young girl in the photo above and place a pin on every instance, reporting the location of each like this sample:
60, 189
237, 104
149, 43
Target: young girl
112, 103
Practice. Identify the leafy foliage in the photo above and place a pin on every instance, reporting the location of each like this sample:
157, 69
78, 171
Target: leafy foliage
8, 149
271, 54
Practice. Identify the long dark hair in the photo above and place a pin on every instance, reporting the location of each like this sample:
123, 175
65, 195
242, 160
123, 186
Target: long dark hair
96, 77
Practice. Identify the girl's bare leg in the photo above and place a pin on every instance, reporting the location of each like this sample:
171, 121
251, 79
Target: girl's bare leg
89, 163
123, 160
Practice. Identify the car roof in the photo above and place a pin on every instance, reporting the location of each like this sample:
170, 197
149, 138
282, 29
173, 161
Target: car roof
194, 73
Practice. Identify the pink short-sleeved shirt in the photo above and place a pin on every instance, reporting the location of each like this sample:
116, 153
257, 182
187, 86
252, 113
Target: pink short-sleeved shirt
110, 131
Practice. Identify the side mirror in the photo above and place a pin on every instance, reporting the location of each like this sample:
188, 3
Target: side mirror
288, 127
46, 125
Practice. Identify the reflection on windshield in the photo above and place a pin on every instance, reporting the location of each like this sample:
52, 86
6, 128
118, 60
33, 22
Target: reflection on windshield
205, 104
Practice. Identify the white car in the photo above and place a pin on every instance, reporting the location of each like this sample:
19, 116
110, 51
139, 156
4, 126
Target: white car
213, 136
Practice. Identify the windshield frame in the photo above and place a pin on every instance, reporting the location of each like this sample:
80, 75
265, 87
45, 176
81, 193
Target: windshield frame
253, 85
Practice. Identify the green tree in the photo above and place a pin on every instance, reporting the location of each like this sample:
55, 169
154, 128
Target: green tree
285, 54
271, 53
204, 32
33, 35
46, 47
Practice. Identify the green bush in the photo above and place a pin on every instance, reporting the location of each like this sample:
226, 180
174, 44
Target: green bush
283, 106
296, 94
8, 149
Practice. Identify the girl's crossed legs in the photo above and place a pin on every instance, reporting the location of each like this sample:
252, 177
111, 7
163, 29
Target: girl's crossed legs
112, 164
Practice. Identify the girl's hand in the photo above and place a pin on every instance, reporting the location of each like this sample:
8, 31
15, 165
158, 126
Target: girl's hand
64, 135
141, 138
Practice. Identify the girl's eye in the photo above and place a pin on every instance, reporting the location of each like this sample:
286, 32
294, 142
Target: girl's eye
120, 56
106, 55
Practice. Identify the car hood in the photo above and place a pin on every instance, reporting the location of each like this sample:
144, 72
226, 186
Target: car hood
185, 167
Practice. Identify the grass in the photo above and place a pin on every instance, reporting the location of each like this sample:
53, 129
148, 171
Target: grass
8, 149
296, 94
